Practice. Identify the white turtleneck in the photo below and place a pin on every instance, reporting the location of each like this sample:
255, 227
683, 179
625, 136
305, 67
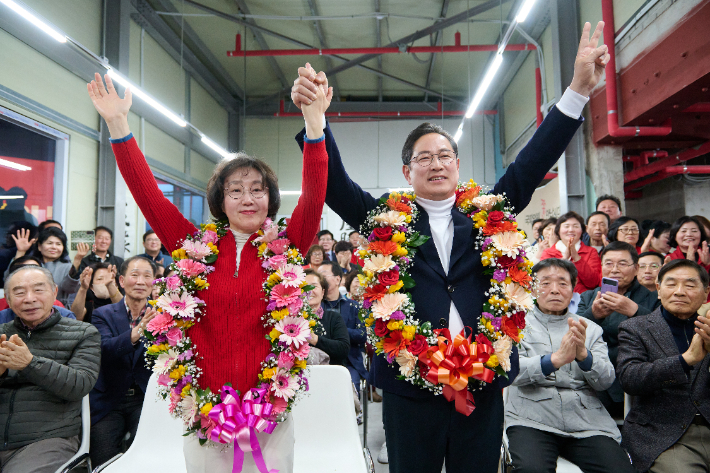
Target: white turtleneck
442, 232
241, 240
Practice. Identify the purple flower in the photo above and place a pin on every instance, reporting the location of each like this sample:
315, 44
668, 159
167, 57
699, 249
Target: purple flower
305, 382
499, 275
397, 315
161, 339
402, 229
405, 260
496, 321
487, 242
367, 303
371, 237
271, 356
487, 315
187, 378
271, 306
283, 234
186, 355
396, 267
390, 358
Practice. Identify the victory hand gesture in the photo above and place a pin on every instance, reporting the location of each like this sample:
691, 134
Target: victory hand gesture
110, 106
590, 62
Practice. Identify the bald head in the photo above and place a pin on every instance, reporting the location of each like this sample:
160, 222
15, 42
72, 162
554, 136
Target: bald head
30, 291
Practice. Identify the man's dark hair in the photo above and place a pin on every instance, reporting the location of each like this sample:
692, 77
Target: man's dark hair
227, 167
126, 263
598, 212
684, 263
559, 263
44, 224
623, 220
22, 261
335, 267
652, 253
604, 197
418, 132
351, 233
146, 234
536, 221
682, 221
620, 246
569, 216
325, 232
343, 246
106, 229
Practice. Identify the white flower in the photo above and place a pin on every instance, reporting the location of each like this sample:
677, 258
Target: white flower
379, 263
291, 275
188, 408
284, 385
509, 243
165, 362
391, 218
517, 294
486, 202
390, 303
406, 362
503, 347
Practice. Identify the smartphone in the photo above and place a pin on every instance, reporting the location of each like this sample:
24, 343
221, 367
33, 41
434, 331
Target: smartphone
609, 285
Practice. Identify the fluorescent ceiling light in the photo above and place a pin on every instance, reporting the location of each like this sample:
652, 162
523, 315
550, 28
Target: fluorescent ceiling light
459, 132
497, 61
7, 197
15, 166
146, 98
34, 20
524, 10
290, 192
221, 151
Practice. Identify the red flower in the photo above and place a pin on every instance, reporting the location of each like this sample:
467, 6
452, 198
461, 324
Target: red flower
389, 278
519, 319
383, 247
375, 293
394, 343
506, 262
483, 340
381, 328
502, 227
496, 217
383, 233
520, 276
398, 206
418, 345
509, 328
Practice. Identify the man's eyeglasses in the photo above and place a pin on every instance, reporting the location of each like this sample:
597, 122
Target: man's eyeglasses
619, 264
653, 266
425, 159
237, 192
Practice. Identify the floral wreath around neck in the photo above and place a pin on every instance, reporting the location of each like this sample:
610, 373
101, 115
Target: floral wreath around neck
288, 318
435, 359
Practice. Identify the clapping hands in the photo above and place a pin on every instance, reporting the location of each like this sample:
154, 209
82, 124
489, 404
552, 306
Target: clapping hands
573, 344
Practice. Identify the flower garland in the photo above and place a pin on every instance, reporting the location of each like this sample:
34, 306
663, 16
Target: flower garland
435, 359
172, 354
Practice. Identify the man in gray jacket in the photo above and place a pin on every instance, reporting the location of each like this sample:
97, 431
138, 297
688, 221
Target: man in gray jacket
552, 408
48, 363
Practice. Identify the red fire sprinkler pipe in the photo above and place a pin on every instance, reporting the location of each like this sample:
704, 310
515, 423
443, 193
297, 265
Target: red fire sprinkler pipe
611, 92
663, 163
538, 96
668, 172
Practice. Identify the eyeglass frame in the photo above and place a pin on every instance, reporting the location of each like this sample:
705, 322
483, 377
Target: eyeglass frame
415, 159
650, 265
244, 191
612, 264
629, 231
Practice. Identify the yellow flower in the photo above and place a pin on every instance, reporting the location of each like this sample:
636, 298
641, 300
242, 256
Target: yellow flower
379, 346
177, 373
293, 253
300, 364
489, 327
262, 248
274, 334
408, 219
400, 251
154, 349
186, 390
273, 279
201, 283
399, 237
311, 323
213, 248
179, 254
396, 287
152, 302
363, 253
408, 332
492, 361
279, 314
209, 227
369, 321
206, 408
395, 324
268, 373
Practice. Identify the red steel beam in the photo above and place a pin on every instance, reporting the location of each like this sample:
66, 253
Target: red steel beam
700, 107
611, 98
238, 52
666, 173
663, 163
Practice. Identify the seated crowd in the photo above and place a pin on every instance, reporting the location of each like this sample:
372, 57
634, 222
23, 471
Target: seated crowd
619, 309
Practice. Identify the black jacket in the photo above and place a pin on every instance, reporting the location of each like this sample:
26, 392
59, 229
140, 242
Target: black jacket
333, 338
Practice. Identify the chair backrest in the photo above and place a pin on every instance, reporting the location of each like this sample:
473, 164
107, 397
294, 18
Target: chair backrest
325, 427
158, 443
85, 436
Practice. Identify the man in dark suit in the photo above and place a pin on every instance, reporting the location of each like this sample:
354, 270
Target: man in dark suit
663, 361
424, 430
326, 241
117, 398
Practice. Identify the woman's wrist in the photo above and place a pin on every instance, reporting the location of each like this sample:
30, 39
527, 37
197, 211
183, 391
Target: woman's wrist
118, 128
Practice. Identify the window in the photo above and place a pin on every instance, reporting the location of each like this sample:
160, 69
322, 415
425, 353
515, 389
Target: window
189, 202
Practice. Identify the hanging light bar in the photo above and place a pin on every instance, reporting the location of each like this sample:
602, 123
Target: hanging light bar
15, 166
221, 151
487, 79
24, 13
524, 10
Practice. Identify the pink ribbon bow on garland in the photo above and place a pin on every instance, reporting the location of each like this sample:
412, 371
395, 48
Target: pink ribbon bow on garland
240, 421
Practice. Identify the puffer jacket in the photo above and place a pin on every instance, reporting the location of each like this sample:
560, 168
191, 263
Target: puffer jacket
43, 400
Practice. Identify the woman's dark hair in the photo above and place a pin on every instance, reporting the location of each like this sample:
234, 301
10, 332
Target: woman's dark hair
215, 187
95, 267
682, 221
312, 250
546, 223
559, 263
614, 229
22, 261
349, 278
16, 227
621, 246
659, 227
418, 132
342, 246
703, 220
323, 281
568, 216
685, 263
53, 232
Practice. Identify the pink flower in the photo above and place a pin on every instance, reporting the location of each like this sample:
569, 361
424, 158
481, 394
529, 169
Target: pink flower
284, 385
294, 330
283, 296
291, 275
279, 246
275, 262
302, 352
174, 400
279, 404
164, 380
182, 305
286, 359
174, 282
196, 249
270, 234
191, 268
161, 323
174, 336
295, 307
209, 237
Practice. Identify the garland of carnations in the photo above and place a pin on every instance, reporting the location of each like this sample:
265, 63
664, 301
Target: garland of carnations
435, 359
223, 417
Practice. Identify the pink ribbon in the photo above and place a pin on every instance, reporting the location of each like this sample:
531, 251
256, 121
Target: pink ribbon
240, 421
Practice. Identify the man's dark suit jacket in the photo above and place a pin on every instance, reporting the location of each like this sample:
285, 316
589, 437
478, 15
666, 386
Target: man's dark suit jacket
122, 363
465, 283
666, 399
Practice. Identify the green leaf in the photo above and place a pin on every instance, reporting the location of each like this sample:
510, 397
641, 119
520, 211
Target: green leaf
308, 288
418, 240
407, 280
382, 200
211, 259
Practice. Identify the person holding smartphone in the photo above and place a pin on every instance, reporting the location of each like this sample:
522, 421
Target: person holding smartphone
619, 297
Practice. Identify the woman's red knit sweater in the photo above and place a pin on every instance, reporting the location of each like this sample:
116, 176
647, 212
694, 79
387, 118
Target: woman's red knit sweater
589, 267
230, 335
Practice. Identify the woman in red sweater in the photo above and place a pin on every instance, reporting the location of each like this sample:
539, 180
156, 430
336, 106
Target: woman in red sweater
691, 242
230, 338
569, 230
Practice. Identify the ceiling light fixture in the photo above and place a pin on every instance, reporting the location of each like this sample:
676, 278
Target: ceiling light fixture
524, 10
24, 13
221, 151
8, 197
487, 79
15, 166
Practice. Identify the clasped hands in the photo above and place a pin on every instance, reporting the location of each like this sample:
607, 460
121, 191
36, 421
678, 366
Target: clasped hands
700, 344
572, 346
14, 354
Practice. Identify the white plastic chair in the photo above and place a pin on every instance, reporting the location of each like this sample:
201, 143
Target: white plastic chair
82, 455
158, 442
325, 427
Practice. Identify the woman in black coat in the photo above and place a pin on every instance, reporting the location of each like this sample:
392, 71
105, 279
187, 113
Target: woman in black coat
333, 338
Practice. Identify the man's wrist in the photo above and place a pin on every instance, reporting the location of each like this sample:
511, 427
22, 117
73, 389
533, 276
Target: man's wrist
690, 358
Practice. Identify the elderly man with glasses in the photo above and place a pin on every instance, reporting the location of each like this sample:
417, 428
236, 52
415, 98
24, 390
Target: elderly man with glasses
609, 309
